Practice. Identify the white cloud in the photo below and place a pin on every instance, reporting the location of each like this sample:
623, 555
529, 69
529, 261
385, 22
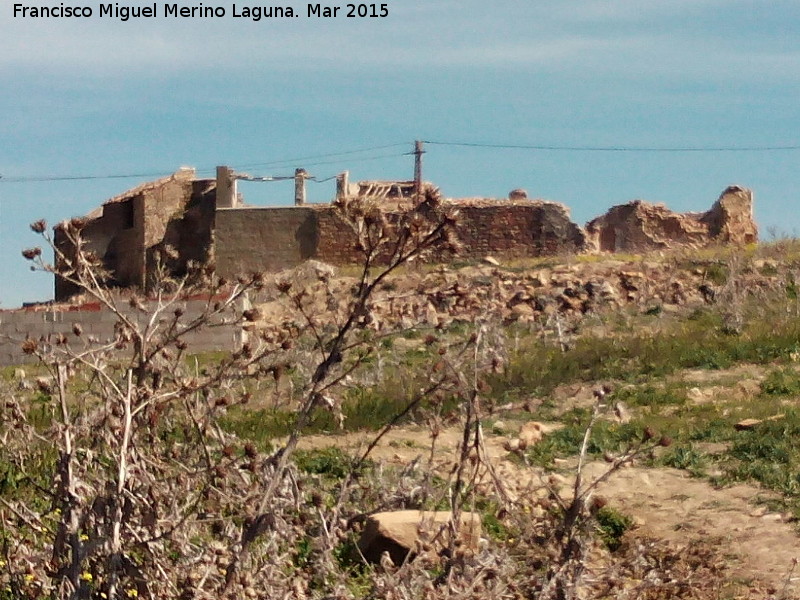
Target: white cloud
445, 33
683, 40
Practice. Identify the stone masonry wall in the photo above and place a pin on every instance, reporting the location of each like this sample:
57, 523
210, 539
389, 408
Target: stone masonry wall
516, 228
126, 230
116, 235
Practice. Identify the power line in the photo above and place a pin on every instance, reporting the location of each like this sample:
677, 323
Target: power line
617, 148
78, 177
366, 159
352, 159
313, 164
331, 154
318, 180
289, 161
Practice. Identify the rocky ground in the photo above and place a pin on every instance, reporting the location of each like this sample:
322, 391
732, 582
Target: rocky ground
761, 546
558, 291
562, 299
760, 542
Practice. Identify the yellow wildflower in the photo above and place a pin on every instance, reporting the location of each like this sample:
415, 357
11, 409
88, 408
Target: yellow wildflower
86, 576
132, 593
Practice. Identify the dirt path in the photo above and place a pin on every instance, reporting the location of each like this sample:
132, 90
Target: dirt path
665, 503
671, 505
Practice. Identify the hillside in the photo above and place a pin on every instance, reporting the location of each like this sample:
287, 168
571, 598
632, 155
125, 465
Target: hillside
480, 386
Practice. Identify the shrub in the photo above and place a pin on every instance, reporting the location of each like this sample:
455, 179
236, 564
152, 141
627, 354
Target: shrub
612, 525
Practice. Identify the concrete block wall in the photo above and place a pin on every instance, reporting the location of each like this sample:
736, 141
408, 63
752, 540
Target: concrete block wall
17, 325
265, 239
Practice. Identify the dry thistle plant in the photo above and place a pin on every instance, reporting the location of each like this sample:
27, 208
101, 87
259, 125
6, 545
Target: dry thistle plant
132, 488
118, 479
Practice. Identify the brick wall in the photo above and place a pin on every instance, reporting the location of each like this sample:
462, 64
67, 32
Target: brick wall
516, 229
269, 239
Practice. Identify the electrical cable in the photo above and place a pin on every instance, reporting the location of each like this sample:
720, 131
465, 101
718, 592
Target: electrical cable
617, 148
152, 175
79, 177
344, 153
350, 153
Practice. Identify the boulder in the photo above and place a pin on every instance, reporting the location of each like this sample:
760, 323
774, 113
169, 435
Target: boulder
747, 424
498, 427
405, 533
621, 412
531, 433
310, 271
608, 291
522, 312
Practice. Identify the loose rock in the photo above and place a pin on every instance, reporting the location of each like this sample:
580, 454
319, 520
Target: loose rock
404, 534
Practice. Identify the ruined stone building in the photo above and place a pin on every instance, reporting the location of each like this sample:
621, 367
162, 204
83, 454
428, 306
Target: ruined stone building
639, 226
166, 223
128, 231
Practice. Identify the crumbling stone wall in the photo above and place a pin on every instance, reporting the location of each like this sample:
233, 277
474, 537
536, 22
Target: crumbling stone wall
730, 219
128, 231
189, 232
114, 233
164, 208
639, 226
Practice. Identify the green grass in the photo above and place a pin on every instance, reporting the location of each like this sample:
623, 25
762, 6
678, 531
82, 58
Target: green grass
40, 411
567, 441
24, 484
652, 396
769, 454
699, 341
612, 525
330, 462
364, 409
686, 458
781, 382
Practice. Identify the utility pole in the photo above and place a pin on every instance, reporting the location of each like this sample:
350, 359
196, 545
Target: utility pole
418, 152
300, 176
342, 184
226, 188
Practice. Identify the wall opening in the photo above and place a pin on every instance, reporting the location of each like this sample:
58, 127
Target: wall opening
608, 239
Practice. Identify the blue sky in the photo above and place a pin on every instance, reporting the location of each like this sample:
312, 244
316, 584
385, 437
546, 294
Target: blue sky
102, 97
